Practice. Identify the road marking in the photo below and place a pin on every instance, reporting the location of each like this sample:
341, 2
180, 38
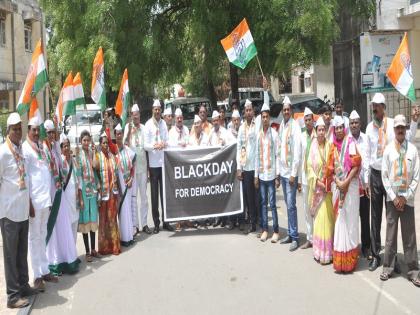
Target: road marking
384, 293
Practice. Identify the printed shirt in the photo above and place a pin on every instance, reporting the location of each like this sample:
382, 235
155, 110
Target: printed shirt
267, 162
289, 156
245, 150
40, 178
178, 137
305, 143
389, 175
136, 143
375, 161
154, 134
14, 201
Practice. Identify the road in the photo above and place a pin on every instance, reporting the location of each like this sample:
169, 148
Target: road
216, 271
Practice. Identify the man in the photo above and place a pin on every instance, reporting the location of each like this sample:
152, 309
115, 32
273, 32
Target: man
178, 134
339, 107
134, 136
218, 135
205, 125
197, 137
40, 177
289, 138
364, 207
400, 177
245, 162
326, 114
267, 173
234, 126
168, 118
380, 133
14, 214
306, 137
156, 138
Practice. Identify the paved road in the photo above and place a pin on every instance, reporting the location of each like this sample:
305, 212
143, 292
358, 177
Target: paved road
216, 271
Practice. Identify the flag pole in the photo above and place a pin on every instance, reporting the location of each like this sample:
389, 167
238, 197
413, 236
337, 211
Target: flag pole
259, 64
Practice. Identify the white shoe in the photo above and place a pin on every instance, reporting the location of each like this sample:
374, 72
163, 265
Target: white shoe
264, 236
275, 238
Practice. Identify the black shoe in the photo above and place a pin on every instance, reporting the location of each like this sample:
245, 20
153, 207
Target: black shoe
146, 230
28, 291
375, 262
223, 223
207, 222
229, 226
251, 228
286, 240
293, 246
156, 230
19, 303
168, 227
217, 222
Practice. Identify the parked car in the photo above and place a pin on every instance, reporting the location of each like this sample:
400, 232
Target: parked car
190, 107
256, 96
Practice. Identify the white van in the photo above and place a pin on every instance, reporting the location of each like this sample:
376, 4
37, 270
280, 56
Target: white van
89, 119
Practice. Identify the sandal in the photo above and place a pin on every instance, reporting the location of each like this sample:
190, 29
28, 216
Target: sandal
384, 276
416, 282
95, 254
88, 258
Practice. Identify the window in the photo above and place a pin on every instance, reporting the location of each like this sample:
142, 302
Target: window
2, 29
28, 37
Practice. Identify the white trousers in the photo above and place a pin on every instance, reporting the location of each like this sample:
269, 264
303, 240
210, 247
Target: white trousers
37, 244
141, 180
309, 220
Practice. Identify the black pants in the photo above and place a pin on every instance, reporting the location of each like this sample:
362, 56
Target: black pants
364, 210
378, 194
156, 187
15, 253
250, 196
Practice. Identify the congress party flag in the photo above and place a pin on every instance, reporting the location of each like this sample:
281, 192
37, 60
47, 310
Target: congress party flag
239, 45
34, 110
65, 105
79, 95
35, 80
123, 99
400, 73
98, 80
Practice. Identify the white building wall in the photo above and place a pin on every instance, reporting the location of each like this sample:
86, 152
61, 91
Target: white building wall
324, 81
387, 15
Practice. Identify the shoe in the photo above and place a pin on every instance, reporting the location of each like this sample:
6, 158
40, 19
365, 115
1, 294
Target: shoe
275, 238
252, 228
374, 263
264, 236
241, 226
49, 277
39, 285
146, 230
217, 222
156, 230
89, 258
306, 245
223, 223
28, 291
229, 226
168, 227
207, 222
19, 303
286, 240
293, 246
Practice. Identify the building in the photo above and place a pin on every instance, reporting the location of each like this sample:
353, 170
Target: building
21, 26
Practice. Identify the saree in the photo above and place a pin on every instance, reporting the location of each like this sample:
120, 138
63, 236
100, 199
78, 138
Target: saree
346, 208
320, 167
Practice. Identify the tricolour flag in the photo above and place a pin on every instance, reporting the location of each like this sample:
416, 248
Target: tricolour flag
35, 80
239, 45
35, 112
400, 73
79, 96
98, 80
65, 105
123, 99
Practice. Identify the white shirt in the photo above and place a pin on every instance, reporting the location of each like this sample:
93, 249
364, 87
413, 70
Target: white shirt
303, 147
362, 146
152, 135
293, 136
247, 138
219, 137
375, 162
14, 202
137, 146
391, 155
202, 141
39, 176
267, 166
176, 138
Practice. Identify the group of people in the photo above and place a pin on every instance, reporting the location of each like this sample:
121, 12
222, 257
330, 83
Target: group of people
49, 193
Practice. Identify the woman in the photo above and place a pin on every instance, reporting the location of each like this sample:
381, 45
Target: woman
109, 239
64, 259
88, 218
126, 175
345, 199
320, 175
